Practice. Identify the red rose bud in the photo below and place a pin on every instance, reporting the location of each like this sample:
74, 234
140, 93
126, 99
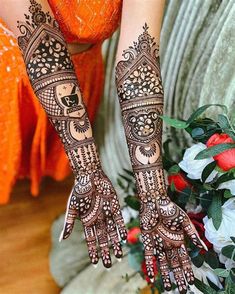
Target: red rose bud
133, 235
226, 159
179, 181
144, 269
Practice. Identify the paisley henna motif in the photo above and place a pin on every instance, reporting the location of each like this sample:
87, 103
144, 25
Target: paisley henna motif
163, 224
51, 72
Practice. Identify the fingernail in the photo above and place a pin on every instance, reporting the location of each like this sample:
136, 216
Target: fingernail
119, 259
95, 265
152, 280
61, 236
204, 245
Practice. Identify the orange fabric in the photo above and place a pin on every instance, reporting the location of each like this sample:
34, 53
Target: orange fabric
29, 145
87, 21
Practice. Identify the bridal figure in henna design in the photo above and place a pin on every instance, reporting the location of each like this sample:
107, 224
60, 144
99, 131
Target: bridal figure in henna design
163, 223
51, 72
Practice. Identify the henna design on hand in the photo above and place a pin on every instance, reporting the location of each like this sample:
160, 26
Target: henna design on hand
51, 72
163, 223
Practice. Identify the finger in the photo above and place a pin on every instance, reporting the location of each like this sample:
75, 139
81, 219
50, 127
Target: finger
192, 233
117, 215
149, 255
70, 216
186, 264
90, 236
114, 238
112, 230
173, 258
103, 243
163, 262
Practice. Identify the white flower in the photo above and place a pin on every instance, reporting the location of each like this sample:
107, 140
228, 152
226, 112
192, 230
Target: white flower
193, 167
129, 213
221, 238
203, 273
230, 185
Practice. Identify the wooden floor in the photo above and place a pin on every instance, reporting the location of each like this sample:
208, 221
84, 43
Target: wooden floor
25, 238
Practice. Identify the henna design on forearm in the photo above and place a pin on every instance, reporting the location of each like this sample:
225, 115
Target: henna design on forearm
51, 72
162, 222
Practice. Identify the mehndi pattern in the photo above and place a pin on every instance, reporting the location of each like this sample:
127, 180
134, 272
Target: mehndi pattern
163, 223
51, 72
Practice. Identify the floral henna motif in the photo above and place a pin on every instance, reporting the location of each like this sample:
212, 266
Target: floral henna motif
163, 223
51, 72
94, 201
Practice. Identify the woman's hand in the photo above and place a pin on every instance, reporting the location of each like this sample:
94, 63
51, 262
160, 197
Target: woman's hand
93, 200
164, 226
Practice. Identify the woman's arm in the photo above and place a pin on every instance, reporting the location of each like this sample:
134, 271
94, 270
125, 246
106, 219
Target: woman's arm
140, 92
53, 79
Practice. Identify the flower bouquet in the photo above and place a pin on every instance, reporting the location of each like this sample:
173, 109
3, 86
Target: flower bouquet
202, 182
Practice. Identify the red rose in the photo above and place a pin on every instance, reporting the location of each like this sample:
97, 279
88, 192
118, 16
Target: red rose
133, 235
144, 269
226, 159
196, 219
179, 181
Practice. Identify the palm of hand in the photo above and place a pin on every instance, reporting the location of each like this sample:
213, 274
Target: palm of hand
164, 226
94, 201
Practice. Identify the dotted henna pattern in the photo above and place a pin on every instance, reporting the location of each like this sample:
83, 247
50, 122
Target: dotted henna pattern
163, 223
51, 72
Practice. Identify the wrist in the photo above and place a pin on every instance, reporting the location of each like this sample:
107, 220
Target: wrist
84, 159
151, 183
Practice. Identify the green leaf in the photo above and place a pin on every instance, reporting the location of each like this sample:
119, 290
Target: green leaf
174, 169
208, 170
212, 259
230, 133
205, 289
198, 260
133, 202
205, 200
224, 178
227, 194
233, 239
172, 187
229, 285
232, 275
223, 121
221, 272
176, 123
215, 210
202, 109
185, 195
133, 223
214, 150
229, 251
